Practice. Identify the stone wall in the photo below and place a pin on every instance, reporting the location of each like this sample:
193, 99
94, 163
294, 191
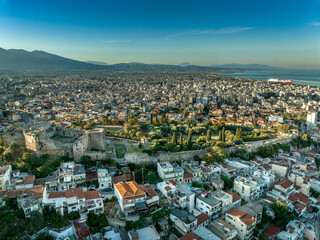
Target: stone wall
80, 146
95, 155
16, 136
97, 139
144, 158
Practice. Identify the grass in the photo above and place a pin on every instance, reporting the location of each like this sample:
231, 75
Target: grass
120, 150
114, 129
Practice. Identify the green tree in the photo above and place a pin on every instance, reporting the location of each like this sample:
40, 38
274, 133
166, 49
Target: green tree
174, 138
73, 215
220, 136
189, 141
223, 135
234, 117
85, 160
208, 138
181, 141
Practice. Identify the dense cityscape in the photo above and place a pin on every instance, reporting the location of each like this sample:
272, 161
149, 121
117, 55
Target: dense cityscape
162, 155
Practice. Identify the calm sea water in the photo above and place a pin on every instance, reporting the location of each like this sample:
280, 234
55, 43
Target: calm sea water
303, 77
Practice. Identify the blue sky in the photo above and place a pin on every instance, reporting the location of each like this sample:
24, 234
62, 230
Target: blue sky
283, 33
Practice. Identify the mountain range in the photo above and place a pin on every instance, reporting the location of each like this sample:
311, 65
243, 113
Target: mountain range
22, 60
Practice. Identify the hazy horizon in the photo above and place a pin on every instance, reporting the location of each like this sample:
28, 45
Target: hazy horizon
277, 33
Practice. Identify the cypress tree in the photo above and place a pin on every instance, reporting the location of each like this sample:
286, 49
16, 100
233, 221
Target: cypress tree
151, 121
223, 135
208, 135
181, 141
189, 142
174, 138
220, 135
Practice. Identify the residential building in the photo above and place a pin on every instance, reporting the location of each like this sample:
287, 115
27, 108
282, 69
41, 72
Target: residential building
248, 189
144, 234
223, 230
5, 176
104, 179
170, 171
131, 197
208, 204
183, 221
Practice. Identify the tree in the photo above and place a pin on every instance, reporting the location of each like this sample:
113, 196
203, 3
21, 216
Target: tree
132, 126
196, 184
238, 134
85, 160
189, 141
36, 221
223, 135
174, 138
215, 155
234, 117
228, 183
73, 215
151, 120
220, 136
181, 141
284, 128
208, 138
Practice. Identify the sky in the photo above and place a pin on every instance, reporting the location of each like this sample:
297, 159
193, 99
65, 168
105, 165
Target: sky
283, 33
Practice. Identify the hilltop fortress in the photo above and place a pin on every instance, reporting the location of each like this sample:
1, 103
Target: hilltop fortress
58, 141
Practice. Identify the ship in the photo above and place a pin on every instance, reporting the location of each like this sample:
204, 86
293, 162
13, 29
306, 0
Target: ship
276, 80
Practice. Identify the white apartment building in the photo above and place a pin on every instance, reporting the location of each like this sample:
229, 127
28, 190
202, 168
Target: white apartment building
5, 175
298, 178
225, 199
170, 171
185, 198
104, 179
74, 200
242, 222
247, 188
207, 203
312, 117
183, 221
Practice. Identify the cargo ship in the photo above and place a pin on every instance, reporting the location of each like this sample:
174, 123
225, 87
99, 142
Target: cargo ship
276, 80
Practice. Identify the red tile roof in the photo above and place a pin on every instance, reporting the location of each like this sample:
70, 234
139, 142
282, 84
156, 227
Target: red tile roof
272, 230
285, 183
203, 217
190, 236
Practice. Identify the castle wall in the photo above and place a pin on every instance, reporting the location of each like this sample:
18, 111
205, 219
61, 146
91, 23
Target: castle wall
97, 139
80, 146
15, 136
144, 158
69, 132
96, 155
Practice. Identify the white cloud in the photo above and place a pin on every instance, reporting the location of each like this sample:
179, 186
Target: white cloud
228, 30
316, 24
114, 41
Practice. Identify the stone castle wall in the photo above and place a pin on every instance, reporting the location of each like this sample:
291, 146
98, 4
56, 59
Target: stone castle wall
144, 158
41, 142
16, 136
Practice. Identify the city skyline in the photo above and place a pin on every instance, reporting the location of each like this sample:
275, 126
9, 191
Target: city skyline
284, 34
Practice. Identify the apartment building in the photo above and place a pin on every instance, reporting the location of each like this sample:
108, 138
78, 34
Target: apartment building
207, 203
247, 188
131, 197
5, 175
170, 171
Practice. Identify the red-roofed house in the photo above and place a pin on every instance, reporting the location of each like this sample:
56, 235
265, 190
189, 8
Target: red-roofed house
272, 231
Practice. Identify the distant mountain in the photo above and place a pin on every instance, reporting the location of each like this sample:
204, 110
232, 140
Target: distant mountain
185, 64
244, 66
21, 60
13, 59
97, 63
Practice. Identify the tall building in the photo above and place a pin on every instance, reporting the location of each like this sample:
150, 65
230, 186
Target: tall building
312, 117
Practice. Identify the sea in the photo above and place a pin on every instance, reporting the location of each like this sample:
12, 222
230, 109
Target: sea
302, 77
